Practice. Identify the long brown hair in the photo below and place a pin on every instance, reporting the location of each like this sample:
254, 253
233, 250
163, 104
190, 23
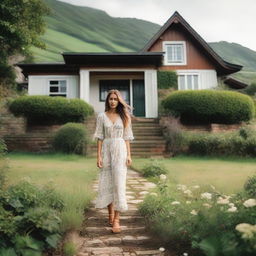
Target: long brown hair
123, 109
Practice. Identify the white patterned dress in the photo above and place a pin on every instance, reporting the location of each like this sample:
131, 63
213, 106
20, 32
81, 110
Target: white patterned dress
112, 176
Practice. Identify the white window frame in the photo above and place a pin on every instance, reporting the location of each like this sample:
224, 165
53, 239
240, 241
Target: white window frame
167, 43
186, 80
57, 93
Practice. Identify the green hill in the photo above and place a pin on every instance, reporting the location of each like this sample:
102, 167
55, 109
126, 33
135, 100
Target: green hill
84, 29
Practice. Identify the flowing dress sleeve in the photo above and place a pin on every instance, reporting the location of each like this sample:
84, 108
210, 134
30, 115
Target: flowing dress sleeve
128, 134
99, 131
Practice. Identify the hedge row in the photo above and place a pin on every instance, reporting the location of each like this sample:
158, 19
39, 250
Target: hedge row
46, 109
208, 106
167, 79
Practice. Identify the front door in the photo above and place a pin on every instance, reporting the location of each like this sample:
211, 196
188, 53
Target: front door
138, 94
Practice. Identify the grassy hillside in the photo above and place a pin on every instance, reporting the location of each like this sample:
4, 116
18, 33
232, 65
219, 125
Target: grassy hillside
76, 28
84, 29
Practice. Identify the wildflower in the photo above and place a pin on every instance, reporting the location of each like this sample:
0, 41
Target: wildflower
206, 195
175, 202
188, 202
185, 254
181, 187
247, 229
207, 205
193, 212
222, 200
232, 209
250, 202
162, 177
231, 204
161, 249
188, 192
196, 187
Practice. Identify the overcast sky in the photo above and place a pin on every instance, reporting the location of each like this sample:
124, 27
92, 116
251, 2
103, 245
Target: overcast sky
215, 20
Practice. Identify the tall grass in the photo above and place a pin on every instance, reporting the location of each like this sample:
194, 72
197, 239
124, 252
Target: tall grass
71, 175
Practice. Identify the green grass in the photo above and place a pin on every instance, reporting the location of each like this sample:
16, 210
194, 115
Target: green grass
71, 175
226, 174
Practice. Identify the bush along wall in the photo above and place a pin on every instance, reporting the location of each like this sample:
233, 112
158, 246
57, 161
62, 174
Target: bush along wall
71, 138
208, 106
50, 110
167, 79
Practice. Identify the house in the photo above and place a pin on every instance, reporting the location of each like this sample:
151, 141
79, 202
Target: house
88, 76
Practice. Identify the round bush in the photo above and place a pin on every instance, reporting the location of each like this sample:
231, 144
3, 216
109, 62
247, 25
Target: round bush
70, 138
167, 79
46, 109
208, 106
153, 168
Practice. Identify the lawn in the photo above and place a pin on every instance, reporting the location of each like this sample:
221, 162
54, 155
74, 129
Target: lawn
71, 175
226, 174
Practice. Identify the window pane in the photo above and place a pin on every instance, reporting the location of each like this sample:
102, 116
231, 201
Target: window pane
54, 89
189, 82
196, 87
54, 82
182, 82
175, 53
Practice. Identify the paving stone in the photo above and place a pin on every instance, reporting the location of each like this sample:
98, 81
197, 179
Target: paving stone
149, 252
143, 192
104, 250
82, 254
113, 241
95, 242
130, 197
135, 201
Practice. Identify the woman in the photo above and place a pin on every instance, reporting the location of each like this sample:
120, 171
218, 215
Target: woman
114, 133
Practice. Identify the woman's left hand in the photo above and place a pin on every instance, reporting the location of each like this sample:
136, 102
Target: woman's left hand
128, 161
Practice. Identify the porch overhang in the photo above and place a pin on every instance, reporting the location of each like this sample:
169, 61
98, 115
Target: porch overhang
114, 59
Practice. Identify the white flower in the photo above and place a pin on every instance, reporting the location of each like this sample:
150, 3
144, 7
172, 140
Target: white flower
193, 212
206, 195
222, 200
161, 249
250, 202
181, 187
207, 205
188, 192
231, 204
162, 177
196, 187
175, 202
185, 254
153, 194
188, 202
247, 229
232, 209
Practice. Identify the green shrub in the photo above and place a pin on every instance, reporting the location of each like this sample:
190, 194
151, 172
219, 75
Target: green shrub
71, 138
251, 89
247, 132
208, 106
30, 219
46, 109
3, 147
167, 79
250, 186
153, 168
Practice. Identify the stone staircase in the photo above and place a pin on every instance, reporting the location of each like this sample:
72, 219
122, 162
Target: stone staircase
148, 138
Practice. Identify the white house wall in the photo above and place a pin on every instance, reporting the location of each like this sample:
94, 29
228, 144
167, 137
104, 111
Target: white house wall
207, 78
39, 84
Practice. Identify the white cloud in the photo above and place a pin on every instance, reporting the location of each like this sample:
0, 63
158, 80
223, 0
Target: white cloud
228, 20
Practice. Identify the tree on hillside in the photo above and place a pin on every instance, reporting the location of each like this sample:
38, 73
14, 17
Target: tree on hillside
21, 24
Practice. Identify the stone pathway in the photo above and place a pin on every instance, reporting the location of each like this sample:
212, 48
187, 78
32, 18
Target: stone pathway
134, 238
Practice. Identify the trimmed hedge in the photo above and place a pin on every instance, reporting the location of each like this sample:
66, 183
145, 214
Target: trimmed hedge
71, 138
167, 79
46, 109
208, 106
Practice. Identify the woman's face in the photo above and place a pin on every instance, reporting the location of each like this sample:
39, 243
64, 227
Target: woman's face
113, 101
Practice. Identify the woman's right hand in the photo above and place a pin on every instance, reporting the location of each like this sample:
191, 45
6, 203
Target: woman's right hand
99, 162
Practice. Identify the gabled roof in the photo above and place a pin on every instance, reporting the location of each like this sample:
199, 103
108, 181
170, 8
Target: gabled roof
223, 67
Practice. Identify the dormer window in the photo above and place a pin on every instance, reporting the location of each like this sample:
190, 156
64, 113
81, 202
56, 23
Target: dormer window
175, 52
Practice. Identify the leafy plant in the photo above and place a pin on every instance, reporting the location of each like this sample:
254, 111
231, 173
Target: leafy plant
153, 168
250, 186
